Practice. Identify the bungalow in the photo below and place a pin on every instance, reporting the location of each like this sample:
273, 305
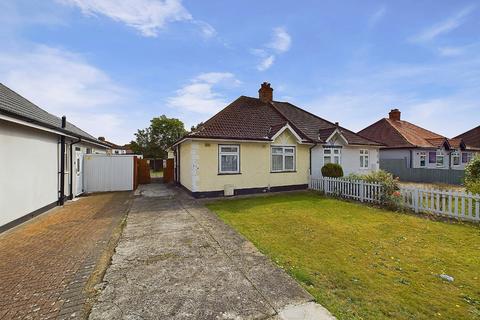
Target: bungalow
41, 162
471, 137
418, 147
259, 145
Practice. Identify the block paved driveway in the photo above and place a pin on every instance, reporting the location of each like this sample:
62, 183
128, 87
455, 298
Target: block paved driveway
177, 260
45, 264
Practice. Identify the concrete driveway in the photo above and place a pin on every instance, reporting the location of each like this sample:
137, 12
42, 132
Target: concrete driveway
177, 260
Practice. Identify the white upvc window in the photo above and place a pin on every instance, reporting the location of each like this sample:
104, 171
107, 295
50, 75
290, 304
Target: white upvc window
364, 159
228, 158
456, 158
283, 159
440, 159
332, 155
423, 159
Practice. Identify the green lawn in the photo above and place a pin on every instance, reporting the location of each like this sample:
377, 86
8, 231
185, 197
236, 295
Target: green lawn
361, 262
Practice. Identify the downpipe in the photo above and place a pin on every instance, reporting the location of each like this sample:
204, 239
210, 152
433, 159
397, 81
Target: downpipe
61, 193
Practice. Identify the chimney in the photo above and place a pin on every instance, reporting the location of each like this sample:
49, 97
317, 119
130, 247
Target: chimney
265, 93
64, 122
394, 114
101, 138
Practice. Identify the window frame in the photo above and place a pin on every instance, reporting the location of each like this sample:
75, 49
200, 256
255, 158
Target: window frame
424, 156
456, 154
220, 153
332, 155
363, 156
440, 155
283, 154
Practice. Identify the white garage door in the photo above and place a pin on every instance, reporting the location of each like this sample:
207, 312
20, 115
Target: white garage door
107, 173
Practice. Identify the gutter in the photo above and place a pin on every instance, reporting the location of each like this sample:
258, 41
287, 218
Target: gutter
61, 193
71, 168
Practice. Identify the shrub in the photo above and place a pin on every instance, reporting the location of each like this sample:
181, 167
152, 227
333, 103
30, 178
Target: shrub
472, 175
391, 197
332, 170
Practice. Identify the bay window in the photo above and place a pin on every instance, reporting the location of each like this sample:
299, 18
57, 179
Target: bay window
283, 159
228, 159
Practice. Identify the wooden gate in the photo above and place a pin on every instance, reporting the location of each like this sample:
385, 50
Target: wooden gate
168, 171
143, 171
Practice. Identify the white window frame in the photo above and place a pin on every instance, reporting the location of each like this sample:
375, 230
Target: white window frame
283, 154
364, 155
456, 154
334, 154
423, 155
438, 156
228, 153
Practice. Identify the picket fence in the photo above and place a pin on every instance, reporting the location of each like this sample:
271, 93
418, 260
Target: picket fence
459, 205
351, 189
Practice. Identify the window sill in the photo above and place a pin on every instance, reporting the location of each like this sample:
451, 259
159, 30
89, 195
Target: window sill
228, 173
287, 171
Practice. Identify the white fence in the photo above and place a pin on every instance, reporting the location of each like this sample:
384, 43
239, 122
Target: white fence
351, 189
107, 173
459, 205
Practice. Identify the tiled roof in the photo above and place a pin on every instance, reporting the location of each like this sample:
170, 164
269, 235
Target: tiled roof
251, 119
403, 134
14, 105
471, 137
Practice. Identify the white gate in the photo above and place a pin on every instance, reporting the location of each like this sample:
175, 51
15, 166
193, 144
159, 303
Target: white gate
107, 172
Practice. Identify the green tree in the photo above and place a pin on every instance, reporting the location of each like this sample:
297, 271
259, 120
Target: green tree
154, 141
472, 175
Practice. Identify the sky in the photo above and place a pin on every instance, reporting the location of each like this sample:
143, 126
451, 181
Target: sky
112, 65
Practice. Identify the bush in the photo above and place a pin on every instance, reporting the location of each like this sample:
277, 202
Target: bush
472, 175
332, 170
391, 197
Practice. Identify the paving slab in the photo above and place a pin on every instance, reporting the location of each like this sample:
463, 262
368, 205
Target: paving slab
177, 260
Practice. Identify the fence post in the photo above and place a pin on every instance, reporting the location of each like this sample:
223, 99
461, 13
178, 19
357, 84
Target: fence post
362, 185
415, 200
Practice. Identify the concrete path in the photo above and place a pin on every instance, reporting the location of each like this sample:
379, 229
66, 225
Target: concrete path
177, 260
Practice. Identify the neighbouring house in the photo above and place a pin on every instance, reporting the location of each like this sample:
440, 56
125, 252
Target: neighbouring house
115, 149
416, 146
258, 145
471, 137
41, 162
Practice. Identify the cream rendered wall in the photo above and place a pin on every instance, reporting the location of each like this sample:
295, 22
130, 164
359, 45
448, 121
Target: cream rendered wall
28, 170
199, 165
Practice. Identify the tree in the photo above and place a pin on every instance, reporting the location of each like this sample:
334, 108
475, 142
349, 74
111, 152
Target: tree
472, 175
197, 127
154, 141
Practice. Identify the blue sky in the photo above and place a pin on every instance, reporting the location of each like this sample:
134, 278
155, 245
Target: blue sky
110, 66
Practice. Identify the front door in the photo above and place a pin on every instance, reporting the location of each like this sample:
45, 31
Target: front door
78, 173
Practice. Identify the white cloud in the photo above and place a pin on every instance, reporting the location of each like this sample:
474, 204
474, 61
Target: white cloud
377, 16
266, 63
281, 40
451, 51
444, 27
147, 16
63, 83
199, 95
